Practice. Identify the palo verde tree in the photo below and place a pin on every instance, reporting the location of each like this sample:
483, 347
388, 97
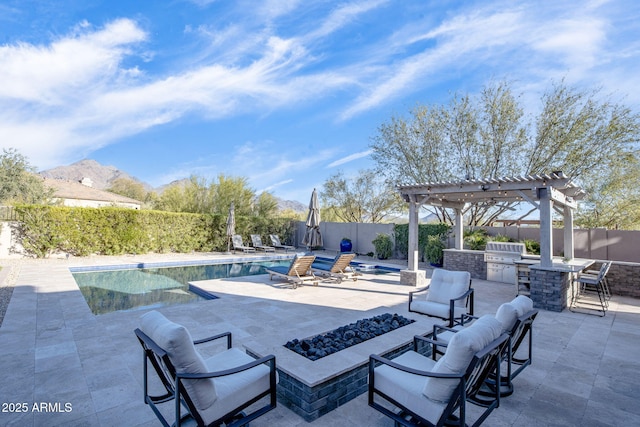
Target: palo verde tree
489, 136
197, 195
364, 198
129, 188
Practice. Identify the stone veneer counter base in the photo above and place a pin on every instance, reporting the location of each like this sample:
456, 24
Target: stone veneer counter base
314, 388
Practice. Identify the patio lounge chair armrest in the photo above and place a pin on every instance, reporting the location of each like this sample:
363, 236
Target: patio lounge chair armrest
441, 328
373, 359
467, 318
417, 291
270, 359
215, 337
434, 343
426, 288
452, 302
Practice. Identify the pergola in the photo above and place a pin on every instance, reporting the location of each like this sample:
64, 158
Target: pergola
547, 193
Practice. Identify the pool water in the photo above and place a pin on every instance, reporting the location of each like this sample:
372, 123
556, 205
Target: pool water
144, 288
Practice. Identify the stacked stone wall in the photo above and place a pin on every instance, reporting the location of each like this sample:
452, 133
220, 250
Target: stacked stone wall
466, 260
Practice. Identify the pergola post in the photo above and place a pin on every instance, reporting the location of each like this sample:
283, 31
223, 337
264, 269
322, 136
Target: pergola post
412, 276
414, 209
568, 233
459, 230
546, 227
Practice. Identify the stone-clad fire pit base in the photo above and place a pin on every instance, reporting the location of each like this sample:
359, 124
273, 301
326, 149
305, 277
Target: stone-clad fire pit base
314, 388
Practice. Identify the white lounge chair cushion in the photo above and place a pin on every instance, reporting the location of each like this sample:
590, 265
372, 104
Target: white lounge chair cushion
447, 285
177, 342
507, 314
234, 390
523, 304
437, 309
459, 353
407, 388
445, 336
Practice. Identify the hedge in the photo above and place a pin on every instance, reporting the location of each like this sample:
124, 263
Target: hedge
424, 231
43, 230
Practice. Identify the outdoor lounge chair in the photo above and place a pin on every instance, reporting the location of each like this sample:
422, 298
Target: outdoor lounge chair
426, 392
449, 296
517, 318
213, 391
238, 245
339, 269
298, 272
256, 240
275, 242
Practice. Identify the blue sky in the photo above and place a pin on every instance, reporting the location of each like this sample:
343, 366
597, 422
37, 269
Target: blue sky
283, 92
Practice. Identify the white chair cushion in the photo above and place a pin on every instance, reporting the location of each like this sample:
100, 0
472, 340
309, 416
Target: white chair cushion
407, 388
177, 342
507, 314
445, 336
523, 304
446, 285
436, 309
459, 353
234, 390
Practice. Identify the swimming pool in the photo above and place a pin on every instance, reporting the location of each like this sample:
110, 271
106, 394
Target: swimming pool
127, 288
151, 285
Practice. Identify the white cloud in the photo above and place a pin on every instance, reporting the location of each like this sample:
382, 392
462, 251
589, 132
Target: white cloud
93, 86
349, 158
343, 15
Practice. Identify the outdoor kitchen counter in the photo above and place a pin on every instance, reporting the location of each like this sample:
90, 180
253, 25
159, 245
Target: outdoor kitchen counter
572, 266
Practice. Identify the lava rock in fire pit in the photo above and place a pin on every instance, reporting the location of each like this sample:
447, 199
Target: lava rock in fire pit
343, 337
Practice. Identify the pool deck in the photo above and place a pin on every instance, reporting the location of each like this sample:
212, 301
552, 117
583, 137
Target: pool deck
53, 350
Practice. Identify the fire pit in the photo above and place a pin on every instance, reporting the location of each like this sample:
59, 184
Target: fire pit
343, 337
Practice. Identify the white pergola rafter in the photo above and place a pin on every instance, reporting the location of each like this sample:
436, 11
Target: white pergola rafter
545, 192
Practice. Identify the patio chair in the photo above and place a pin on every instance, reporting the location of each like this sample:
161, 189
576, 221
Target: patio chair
213, 391
517, 318
339, 269
256, 240
416, 390
238, 244
298, 272
586, 285
275, 242
448, 296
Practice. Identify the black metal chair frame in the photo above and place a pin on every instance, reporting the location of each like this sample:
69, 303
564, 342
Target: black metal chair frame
451, 319
173, 384
521, 329
486, 362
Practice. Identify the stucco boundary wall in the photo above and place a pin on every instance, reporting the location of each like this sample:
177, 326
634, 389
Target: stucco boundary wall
361, 235
595, 243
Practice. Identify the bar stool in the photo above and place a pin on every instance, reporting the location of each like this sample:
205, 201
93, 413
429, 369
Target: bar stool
588, 284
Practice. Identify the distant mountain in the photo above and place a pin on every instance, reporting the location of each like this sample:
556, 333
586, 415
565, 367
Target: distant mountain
291, 204
102, 176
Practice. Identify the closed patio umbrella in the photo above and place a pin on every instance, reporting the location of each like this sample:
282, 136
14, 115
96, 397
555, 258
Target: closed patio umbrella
231, 225
312, 237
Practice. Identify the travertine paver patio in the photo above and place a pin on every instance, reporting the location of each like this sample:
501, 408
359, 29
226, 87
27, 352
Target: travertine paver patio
54, 351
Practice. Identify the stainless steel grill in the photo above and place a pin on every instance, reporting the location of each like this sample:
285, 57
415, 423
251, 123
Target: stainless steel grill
500, 257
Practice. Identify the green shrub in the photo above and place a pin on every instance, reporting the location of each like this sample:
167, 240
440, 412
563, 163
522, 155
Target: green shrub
532, 246
383, 245
434, 250
43, 230
424, 231
476, 239
501, 238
